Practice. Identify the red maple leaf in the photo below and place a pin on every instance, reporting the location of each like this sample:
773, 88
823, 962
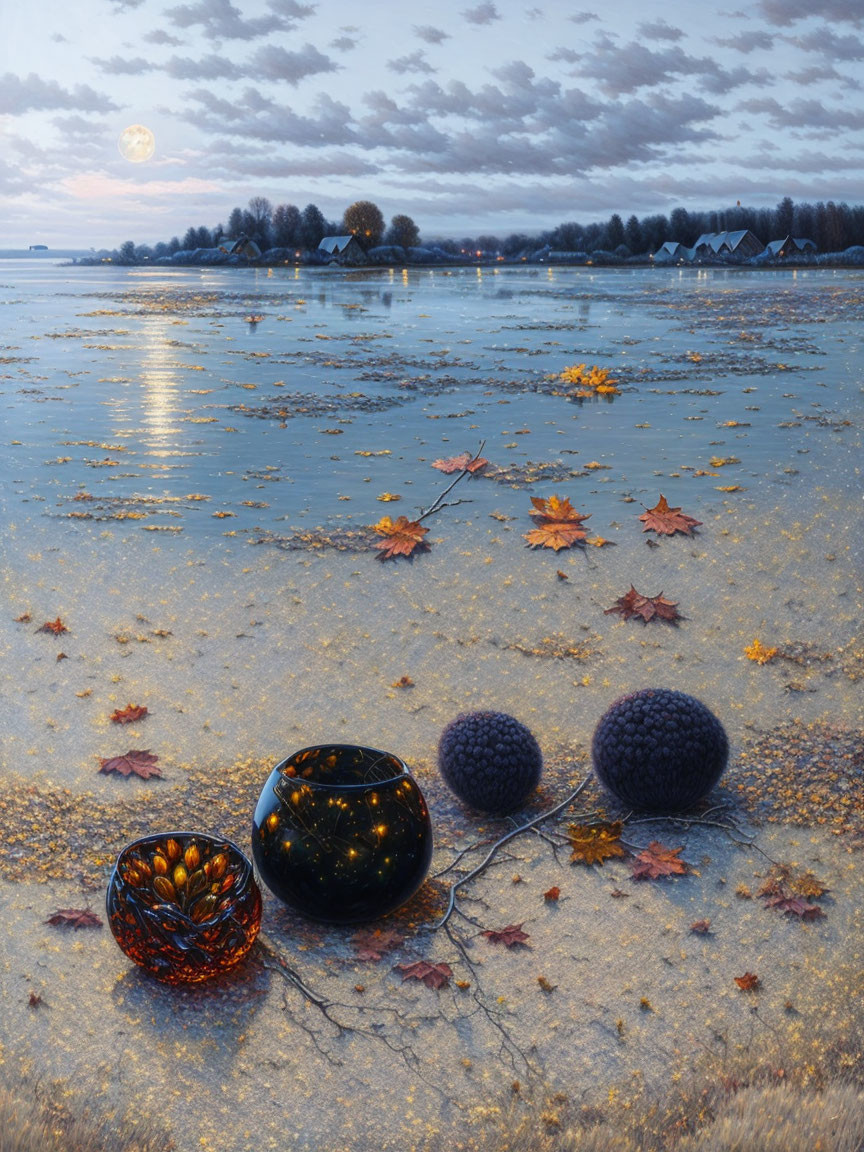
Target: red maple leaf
795, 906
74, 918
656, 860
552, 895
464, 462
141, 762
701, 927
432, 975
645, 607
509, 936
666, 521
55, 627
372, 944
129, 714
402, 537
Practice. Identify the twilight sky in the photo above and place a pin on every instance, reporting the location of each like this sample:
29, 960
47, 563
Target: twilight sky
469, 115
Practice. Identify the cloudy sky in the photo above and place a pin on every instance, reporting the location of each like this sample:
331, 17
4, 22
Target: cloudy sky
469, 115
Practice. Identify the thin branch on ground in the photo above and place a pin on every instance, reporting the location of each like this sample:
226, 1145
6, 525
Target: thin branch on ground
499, 844
438, 503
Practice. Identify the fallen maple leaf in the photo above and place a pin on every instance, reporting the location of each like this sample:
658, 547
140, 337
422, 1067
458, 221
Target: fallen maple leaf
758, 652
559, 525
373, 943
656, 860
74, 918
432, 975
24, 618
141, 762
666, 521
592, 844
749, 982
129, 714
464, 462
795, 906
402, 537
701, 927
509, 936
403, 682
55, 627
645, 607
552, 895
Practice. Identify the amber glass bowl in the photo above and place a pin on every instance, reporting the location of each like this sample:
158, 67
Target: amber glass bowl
341, 833
183, 905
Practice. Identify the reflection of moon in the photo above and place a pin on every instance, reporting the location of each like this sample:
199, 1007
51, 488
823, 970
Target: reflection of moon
137, 143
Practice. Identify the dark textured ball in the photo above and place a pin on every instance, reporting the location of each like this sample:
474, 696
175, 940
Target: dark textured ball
489, 760
659, 750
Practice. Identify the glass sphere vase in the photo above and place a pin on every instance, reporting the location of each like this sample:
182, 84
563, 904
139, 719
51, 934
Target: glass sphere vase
341, 833
184, 906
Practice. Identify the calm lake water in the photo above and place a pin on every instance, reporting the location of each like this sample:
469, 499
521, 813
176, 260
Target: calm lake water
153, 435
143, 387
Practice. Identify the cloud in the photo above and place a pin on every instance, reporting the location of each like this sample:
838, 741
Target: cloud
256, 117
583, 17
623, 69
79, 128
748, 42
290, 10
123, 65
829, 44
275, 63
659, 30
35, 94
804, 114
430, 35
483, 14
818, 74
568, 55
209, 67
343, 44
221, 20
782, 13
160, 36
416, 62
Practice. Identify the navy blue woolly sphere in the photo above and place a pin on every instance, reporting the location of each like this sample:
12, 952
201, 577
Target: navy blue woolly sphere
489, 760
659, 750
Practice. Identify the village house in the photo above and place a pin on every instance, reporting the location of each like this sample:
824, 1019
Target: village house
789, 246
343, 250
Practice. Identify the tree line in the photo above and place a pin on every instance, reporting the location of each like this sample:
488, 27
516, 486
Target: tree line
832, 227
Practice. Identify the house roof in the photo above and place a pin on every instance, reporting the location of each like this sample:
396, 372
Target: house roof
335, 244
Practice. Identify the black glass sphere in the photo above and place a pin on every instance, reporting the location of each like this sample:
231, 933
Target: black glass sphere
659, 750
341, 833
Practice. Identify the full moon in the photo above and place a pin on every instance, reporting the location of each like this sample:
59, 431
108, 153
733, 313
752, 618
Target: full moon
136, 143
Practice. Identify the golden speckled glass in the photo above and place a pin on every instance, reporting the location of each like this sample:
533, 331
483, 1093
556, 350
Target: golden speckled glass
184, 906
341, 833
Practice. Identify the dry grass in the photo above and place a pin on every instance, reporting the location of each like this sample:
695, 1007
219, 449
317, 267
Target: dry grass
767, 1114
31, 1124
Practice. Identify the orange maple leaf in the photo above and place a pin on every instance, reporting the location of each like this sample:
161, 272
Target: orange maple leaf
666, 521
749, 982
402, 537
129, 714
592, 844
758, 652
141, 762
656, 860
464, 462
56, 627
559, 525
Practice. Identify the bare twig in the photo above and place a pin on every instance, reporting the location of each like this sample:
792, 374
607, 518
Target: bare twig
438, 502
499, 844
